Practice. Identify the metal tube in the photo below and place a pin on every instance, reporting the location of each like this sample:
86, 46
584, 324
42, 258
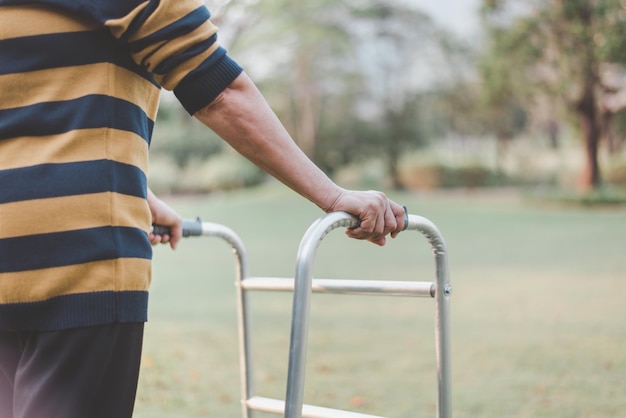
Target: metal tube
243, 320
442, 312
339, 286
301, 308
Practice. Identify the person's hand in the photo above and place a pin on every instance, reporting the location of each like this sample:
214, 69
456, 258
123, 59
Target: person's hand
378, 214
164, 215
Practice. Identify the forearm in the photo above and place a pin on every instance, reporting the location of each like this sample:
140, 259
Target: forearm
242, 117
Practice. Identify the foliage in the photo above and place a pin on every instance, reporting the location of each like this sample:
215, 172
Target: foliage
344, 76
554, 51
418, 172
435, 175
164, 175
619, 121
181, 138
601, 197
616, 173
224, 171
356, 80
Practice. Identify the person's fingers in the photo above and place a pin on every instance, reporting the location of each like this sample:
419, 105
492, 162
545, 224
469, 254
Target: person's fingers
378, 215
373, 216
374, 239
159, 239
381, 241
391, 222
401, 218
177, 233
174, 224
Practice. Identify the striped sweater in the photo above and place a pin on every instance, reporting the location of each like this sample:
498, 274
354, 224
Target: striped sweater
80, 83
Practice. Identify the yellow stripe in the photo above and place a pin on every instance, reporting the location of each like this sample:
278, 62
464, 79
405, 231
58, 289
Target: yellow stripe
119, 26
80, 145
17, 21
165, 14
69, 83
73, 212
171, 79
40, 285
133, 274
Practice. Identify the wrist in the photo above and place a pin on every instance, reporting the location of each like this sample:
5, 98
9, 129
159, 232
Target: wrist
331, 199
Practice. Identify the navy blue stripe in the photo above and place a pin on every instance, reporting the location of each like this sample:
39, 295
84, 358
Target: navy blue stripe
71, 179
140, 19
74, 311
209, 64
33, 252
202, 86
94, 111
57, 50
170, 64
177, 29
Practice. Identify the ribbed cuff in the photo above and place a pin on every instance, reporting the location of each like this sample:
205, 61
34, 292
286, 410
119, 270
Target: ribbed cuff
199, 89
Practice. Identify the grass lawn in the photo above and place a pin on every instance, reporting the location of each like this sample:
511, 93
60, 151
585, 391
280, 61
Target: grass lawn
538, 312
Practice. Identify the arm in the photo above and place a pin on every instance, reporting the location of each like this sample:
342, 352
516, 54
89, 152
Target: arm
212, 87
242, 117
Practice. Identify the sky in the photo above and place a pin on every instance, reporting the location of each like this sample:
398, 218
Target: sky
459, 16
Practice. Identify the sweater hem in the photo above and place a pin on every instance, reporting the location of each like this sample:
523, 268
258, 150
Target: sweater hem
75, 311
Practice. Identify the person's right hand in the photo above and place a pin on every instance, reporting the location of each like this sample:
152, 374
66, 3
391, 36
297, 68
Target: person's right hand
378, 214
164, 215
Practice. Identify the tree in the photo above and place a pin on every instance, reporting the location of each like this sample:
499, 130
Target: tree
299, 52
330, 67
558, 48
397, 41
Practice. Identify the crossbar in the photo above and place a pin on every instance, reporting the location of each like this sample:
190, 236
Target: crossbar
276, 406
342, 286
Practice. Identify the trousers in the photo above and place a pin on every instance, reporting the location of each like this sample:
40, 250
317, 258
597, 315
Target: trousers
77, 373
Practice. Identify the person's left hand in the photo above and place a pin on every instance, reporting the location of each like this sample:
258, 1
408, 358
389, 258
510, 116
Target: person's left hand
163, 214
379, 216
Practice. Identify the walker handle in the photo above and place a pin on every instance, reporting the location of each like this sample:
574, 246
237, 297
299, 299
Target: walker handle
191, 228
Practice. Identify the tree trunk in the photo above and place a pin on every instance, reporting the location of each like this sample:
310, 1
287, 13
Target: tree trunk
394, 172
587, 114
608, 132
305, 106
586, 107
393, 147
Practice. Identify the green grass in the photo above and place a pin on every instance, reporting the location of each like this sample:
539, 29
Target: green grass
538, 312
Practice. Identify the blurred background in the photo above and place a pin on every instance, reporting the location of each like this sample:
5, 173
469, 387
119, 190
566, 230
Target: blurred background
503, 122
422, 95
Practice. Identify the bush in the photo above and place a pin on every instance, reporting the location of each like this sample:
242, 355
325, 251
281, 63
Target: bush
436, 175
423, 177
368, 174
163, 175
417, 174
616, 174
226, 171
603, 196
